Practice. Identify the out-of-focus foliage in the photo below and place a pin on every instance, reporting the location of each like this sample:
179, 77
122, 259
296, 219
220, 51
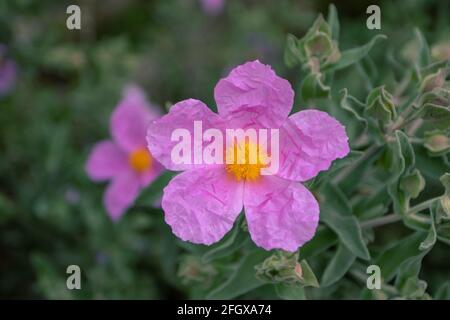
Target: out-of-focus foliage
387, 203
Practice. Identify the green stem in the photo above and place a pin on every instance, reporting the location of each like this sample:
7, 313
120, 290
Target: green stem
390, 218
393, 217
362, 277
346, 171
422, 206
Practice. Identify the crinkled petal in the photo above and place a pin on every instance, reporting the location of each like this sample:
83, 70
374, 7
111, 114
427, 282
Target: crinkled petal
181, 116
254, 96
202, 205
281, 214
105, 161
130, 120
151, 174
121, 193
309, 141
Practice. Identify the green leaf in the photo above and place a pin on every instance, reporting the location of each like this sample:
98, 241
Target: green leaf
336, 213
292, 53
243, 279
412, 184
308, 277
353, 105
50, 281
443, 293
290, 291
407, 281
313, 88
392, 258
354, 55
380, 106
424, 56
337, 165
323, 239
437, 115
403, 162
430, 240
232, 242
338, 266
430, 167
333, 21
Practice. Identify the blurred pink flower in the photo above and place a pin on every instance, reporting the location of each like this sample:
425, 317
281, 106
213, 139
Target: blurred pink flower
125, 160
202, 203
212, 7
8, 72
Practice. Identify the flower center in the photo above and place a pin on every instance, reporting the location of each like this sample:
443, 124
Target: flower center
140, 160
245, 161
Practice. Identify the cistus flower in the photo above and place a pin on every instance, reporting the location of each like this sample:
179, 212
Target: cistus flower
8, 72
125, 160
202, 203
212, 7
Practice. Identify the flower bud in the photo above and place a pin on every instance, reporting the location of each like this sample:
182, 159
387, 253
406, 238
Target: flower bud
444, 203
413, 184
315, 50
434, 80
441, 51
192, 270
380, 106
280, 267
437, 142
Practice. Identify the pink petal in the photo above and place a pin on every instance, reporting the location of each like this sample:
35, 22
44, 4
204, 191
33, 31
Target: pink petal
105, 161
309, 141
150, 175
130, 119
254, 96
181, 116
212, 7
121, 193
281, 214
202, 205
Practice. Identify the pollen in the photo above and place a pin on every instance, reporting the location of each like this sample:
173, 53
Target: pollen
245, 160
140, 160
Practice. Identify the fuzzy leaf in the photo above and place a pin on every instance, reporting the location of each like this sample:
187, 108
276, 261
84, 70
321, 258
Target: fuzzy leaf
338, 266
354, 55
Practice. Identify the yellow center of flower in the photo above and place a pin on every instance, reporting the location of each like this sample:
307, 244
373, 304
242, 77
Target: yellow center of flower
140, 160
245, 161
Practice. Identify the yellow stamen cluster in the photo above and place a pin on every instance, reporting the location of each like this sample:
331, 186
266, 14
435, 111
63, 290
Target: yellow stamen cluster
244, 161
140, 160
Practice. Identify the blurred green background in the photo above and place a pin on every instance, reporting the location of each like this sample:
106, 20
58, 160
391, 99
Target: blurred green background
68, 82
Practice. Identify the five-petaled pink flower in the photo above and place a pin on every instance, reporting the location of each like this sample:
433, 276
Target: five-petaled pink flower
125, 160
202, 203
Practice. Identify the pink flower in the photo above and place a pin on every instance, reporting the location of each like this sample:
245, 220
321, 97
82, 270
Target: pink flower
212, 7
8, 72
125, 160
202, 203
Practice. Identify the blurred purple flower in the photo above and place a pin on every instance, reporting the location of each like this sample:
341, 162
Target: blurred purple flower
125, 160
212, 7
8, 71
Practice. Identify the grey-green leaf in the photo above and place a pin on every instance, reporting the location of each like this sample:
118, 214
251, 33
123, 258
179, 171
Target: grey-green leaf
338, 266
353, 55
243, 279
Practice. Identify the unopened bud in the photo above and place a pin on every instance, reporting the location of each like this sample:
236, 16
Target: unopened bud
437, 142
433, 81
413, 184
380, 106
